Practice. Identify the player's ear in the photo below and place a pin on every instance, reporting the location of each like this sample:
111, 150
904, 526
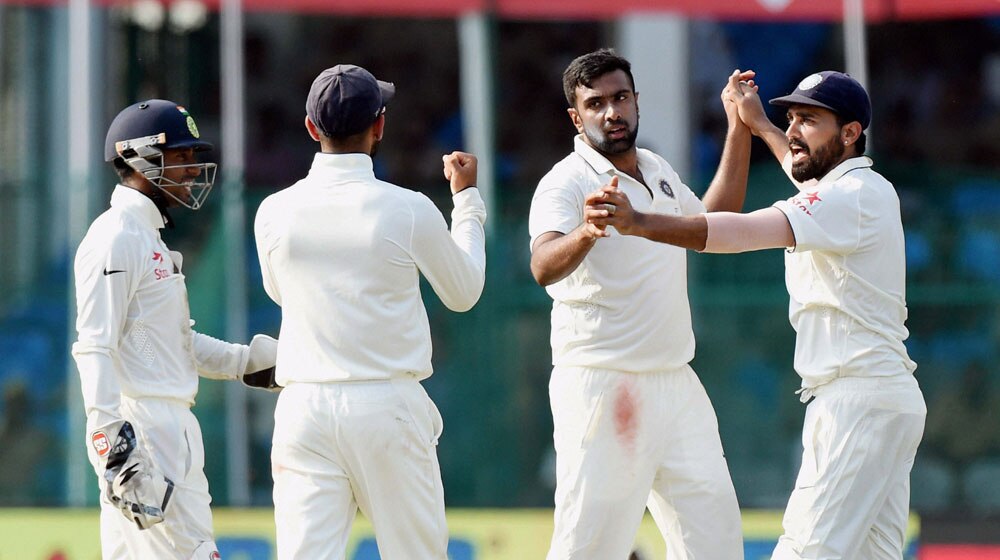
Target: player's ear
850, 132
574, 116
378, 127
311, 127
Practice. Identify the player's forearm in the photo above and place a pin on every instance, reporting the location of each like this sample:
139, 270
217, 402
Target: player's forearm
557, 258
99, 387
775, 139
468, 219
728, 189
218, 359
767, 228
689, 232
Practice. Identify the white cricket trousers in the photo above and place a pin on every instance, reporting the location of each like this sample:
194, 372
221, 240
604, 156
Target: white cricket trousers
169, 433
852, 496
627, 441
343, 446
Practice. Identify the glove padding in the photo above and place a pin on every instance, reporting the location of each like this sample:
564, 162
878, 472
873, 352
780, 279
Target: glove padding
137, 488
261, 357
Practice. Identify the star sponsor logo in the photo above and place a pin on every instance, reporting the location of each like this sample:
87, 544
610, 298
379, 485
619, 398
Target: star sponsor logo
805, 201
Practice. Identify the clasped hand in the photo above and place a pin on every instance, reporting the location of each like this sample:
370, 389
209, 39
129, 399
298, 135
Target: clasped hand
610, 206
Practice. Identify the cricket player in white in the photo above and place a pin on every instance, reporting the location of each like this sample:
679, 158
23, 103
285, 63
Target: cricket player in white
845, 272
342, 253
633, 426
138, 357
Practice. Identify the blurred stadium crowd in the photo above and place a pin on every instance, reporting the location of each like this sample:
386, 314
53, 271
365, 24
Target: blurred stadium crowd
935, 134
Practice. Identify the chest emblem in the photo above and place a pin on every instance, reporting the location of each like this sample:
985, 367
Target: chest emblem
158, 272
665, 187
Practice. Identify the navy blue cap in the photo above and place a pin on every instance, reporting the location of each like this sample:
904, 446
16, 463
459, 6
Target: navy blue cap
346, 99
153, 118
835, 91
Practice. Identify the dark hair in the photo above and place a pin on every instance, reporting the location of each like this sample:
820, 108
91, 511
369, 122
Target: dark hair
586, 68
122, 168
862, 139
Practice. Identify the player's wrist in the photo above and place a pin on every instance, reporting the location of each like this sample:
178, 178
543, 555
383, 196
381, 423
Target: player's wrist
459, 190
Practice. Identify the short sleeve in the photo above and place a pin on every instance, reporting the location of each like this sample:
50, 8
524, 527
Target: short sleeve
689, 202
557, 206
824, 218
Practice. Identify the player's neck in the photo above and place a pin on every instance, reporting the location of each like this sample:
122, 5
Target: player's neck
627, 163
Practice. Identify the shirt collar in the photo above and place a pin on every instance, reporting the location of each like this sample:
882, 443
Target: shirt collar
342, 166
846, 167
602, 165
594, 159
134, 202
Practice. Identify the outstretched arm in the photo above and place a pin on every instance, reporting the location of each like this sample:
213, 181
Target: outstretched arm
714, 232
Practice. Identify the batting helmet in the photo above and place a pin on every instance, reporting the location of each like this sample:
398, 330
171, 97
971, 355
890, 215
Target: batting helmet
140, 133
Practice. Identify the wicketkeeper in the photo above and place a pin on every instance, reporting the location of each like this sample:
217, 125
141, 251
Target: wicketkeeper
138, 357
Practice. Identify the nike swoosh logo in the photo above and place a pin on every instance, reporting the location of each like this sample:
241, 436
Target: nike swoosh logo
110, 272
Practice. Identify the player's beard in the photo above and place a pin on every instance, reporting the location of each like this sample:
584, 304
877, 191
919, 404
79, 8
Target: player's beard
600, 141
818, 162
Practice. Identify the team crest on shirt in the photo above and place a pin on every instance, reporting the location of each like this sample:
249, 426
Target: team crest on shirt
665, 187
805, 201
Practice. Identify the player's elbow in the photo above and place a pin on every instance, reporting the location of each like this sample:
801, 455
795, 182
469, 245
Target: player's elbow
543, 272
540, 275
467, 295
465, 302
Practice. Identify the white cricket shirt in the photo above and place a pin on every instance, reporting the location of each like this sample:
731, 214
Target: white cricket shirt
846, 276
133, 322
626, 306
342, 252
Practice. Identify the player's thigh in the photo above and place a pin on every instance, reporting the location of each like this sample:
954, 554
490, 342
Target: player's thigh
314, 505
693, 500
170, 435
603, 466
599, 504
390, 450
887, 536
852, 461
112, 539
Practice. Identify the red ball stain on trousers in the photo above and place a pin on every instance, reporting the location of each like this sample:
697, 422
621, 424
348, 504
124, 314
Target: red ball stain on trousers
626, 409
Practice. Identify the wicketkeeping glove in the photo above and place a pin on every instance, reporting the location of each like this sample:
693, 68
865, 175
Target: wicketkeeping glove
259, 373
139, 490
